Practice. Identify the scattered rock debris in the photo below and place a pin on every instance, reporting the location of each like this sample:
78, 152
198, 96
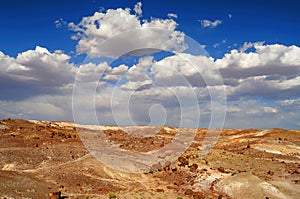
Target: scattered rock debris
41, 157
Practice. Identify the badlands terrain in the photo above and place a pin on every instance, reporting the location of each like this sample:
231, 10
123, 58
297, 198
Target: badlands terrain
41, 157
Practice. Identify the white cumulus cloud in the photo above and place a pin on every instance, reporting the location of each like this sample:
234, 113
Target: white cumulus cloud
138, 8
262, 84
210, 24
117, 32
172, 15
34, 72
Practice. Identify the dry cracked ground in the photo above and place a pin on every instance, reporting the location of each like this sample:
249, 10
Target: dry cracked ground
40, 157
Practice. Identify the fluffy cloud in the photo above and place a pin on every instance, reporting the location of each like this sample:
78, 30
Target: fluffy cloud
262, 82
264, 114
210, 24
59, 23
117, 32
43, 107
50, 69
34, 72
115, 74
248, 45
172, 15
138, 72
185, 69
263, 56
138, 8
271, 71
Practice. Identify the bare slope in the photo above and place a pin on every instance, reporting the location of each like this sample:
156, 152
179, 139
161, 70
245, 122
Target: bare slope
38, 157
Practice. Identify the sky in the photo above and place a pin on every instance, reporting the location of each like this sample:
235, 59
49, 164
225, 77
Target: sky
211, 64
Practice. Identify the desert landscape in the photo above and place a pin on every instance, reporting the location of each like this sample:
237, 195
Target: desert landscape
146, 99
40, 158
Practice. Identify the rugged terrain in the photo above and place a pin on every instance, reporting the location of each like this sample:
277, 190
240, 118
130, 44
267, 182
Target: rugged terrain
40, 157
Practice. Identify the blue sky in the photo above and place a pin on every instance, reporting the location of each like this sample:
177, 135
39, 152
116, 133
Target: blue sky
252, 50
26, 24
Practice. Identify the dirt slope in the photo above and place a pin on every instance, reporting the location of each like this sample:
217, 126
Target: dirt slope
38, 157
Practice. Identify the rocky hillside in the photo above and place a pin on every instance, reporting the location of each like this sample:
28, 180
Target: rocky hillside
40, 157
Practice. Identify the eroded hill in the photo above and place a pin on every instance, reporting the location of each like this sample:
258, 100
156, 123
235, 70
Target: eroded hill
40, 157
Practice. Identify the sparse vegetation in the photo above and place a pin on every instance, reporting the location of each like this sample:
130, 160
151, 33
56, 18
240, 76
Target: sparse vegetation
112, 195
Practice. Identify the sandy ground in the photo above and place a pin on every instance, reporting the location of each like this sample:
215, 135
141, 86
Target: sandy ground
40, 157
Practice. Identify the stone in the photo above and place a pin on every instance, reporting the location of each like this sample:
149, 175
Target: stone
183, 161
193, 167
174, 169
188, 192
178, 182
221, 169
271, 173
198, 195
54, 195
160, 190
